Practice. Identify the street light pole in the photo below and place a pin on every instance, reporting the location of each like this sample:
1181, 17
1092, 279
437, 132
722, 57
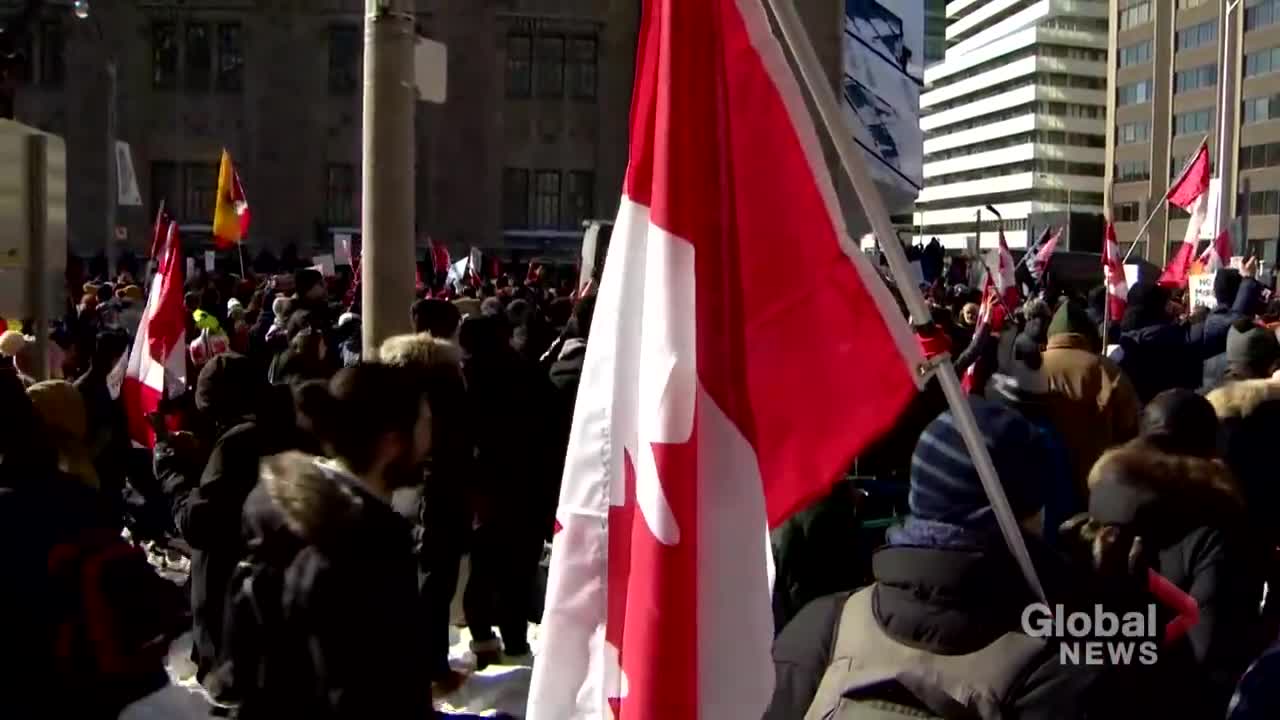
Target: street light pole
113, 172
387, 196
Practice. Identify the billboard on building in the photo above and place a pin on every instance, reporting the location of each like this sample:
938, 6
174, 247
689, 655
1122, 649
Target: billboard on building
883, 50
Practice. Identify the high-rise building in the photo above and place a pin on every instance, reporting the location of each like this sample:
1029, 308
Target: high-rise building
1167, 67
935, 31
1014, 117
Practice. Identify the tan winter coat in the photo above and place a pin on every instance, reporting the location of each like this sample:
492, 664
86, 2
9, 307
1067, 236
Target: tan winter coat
1092, 403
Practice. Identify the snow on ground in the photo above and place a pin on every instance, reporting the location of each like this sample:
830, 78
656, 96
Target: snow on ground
490, 692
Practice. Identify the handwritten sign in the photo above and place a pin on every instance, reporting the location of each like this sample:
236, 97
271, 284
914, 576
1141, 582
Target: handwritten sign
1201, 289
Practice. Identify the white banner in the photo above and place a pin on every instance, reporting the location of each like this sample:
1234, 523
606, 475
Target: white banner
126, 180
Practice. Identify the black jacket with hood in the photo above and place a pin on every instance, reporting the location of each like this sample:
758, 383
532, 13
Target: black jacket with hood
1190, 516
323, 621
1248, 415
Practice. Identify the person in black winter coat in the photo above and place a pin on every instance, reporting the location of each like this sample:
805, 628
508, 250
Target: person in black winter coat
515, 490
206, 503
443, 507
1192, 521
1157, 354
46, 514
946, 586
1237, 296
324, 618
565, 370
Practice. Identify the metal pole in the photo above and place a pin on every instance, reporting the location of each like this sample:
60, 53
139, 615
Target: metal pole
1143, 229
1226, 113
38, 289
815, 80
388, 182
113, 172
1068, 238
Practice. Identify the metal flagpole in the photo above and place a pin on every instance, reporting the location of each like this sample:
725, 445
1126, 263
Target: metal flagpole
815, 81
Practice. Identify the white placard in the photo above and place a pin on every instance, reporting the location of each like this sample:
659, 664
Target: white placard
324, 263
210, 258
342, 249
1131, 275
430, 70
191, 267
1209, 230
1201, 287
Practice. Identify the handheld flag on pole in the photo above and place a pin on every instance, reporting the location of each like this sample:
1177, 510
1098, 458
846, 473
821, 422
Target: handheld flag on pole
1113, 275
684, 447
157, 361
231, 211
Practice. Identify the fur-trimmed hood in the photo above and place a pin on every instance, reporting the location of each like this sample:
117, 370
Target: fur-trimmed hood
420, 349
1159, 493
1240, 399
314, 501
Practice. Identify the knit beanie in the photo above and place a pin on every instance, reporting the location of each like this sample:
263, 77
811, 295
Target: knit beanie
1072, 319
1251, 350
945, 486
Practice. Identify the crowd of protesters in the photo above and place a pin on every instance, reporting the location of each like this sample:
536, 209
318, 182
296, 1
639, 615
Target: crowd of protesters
326, 503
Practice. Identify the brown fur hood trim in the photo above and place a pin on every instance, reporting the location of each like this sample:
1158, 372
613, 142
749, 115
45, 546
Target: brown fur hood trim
1136, 483
420, 349
314, 499
1240, 399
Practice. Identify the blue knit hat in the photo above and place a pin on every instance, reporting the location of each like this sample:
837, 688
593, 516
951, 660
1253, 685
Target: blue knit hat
945, 486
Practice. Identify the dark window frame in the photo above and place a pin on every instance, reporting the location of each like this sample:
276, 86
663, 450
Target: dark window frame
548, 67
583, 71
519, 69
547, 202
164, 69
344, 59
194, 77
229, 66
580, 197
200, 191
516, 197
340, 193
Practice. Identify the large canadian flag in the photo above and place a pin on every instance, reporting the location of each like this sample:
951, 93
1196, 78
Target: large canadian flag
158, 357
1113, 275
1191, 193
719, 392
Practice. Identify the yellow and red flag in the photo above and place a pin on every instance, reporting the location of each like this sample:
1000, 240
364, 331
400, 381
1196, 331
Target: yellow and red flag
231, 213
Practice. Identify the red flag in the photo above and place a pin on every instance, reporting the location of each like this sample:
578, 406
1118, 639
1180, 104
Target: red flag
1113, 275
439, 258
1194, 180
534, 274
1218, 254
684, 444
1040, 262
1178, 270
158, 359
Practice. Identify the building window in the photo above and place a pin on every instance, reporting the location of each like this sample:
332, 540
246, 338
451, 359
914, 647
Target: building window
1262, 62
340, 194
1133, 170
1196, 36
1188, 4
1195, 78
580, 197
200, 184
1134, 132
549, 66
1134, 93
1136, 14
198, 61
1125, 212
53, 67
1260, 109
230, 58
1265, 155
1264, 202
1135, 54
546, 199
164, 55
1261, 14
582, 68
344, 59
164, 185
1196, 121
515, 198
519, 65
